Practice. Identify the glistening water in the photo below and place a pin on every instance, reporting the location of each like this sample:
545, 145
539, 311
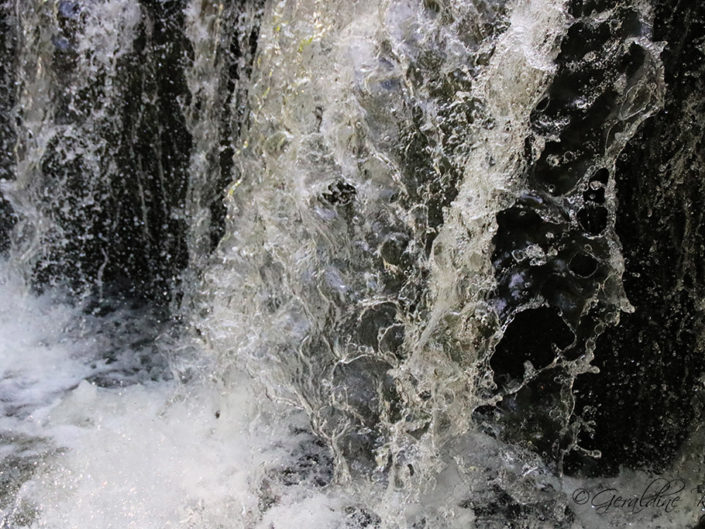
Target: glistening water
347, 264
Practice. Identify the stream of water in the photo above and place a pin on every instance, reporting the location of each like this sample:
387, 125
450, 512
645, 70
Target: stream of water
351, 264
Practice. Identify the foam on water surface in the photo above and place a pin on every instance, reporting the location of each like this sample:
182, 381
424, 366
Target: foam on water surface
147, 454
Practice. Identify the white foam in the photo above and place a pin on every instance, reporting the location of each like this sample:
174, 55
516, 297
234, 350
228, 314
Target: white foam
152, 455
37, 361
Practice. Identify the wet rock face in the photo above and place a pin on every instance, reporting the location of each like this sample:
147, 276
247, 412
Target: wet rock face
592, 188
122, 227
162, 145
610, 179
7, 47
647, 396
115, 175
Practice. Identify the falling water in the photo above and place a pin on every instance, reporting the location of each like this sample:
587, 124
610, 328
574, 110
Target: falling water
350, 264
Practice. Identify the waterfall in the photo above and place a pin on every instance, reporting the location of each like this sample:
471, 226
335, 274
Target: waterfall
390, 264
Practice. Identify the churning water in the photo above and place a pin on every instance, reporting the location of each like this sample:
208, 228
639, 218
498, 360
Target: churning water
352, 264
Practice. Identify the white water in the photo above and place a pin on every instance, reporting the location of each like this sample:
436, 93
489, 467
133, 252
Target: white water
123, 421
198, 455
146, 455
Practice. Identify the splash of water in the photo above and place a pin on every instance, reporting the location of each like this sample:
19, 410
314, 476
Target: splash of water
341, 264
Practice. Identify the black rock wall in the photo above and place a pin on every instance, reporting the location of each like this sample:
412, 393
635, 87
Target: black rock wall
8, 43
648, 395
558, 292
130, 238
116, 191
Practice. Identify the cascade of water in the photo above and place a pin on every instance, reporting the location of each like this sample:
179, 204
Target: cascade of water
343, 175
97, 178
372, 263
223, 37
